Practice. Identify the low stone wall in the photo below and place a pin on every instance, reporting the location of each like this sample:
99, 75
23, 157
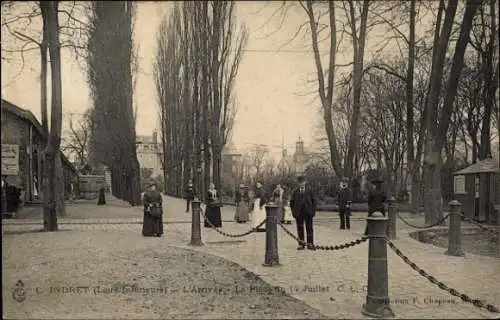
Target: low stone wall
428, 235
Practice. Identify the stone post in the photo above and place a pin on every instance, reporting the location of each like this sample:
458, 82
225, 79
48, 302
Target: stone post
454, 231
195, 223
377, 299
391, 227
272, 218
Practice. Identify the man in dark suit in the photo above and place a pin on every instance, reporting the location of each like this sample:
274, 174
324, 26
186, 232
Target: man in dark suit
344, 200
189, 194
376, 199
303, 206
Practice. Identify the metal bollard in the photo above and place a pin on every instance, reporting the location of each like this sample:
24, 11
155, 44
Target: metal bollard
391, 227
195, 223
272, 214
454, 231
377, 299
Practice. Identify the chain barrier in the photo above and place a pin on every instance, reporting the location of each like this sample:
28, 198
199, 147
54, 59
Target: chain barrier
229, 235
453, 292
423, 227
326, 248
477, 223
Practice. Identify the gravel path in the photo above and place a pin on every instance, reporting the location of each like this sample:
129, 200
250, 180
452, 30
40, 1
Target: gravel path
101, 275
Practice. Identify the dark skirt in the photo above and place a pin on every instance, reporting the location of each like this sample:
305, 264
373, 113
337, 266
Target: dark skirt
213, 215
241, 215
102, 199
152, 226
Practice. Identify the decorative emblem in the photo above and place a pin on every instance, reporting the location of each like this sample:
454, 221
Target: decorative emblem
19, 294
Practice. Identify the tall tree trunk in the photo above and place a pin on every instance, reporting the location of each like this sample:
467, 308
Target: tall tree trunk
52, 152
204, 96
164, 138
490, 74
432, 153
438, 133
43, 78
491, 85
214, 43
197, 118
188, 107
43, 93
410, 155
358, 55
326, 91
60, 185
216, 167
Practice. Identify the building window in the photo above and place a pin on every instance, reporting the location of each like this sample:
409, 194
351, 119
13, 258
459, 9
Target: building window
459, 185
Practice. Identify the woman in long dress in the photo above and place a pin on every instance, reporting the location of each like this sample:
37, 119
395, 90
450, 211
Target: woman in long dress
241, 200
152, 225
259, 211
213, 209
287, 212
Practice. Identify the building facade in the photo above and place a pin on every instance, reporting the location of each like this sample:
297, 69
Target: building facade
150, 154
23, 142
231, 170
296, 163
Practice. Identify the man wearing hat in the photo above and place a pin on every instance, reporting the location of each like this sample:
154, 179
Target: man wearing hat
376, 199
303, 206
344, 200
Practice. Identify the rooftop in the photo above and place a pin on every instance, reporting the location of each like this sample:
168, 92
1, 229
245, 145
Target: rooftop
482, 166
30, 117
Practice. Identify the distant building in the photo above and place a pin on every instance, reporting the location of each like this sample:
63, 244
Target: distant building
23, 142
300, 157
150, 153
230, 167
298, 162
286, 165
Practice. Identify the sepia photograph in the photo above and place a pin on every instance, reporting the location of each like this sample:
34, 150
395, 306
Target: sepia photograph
250, 159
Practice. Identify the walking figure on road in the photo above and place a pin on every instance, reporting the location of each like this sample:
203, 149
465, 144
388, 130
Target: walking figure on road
344, 200
213, 208
102, 197
189, 194
259, 211
376, 199
303, 205
242, 203
152, 225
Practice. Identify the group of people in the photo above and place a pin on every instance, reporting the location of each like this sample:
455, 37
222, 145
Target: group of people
303, 205
253, 203
250, 206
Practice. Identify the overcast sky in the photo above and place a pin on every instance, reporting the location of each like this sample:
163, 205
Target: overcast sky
272, 79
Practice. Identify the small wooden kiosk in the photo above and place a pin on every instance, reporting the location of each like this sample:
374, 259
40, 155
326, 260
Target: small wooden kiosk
477, 188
